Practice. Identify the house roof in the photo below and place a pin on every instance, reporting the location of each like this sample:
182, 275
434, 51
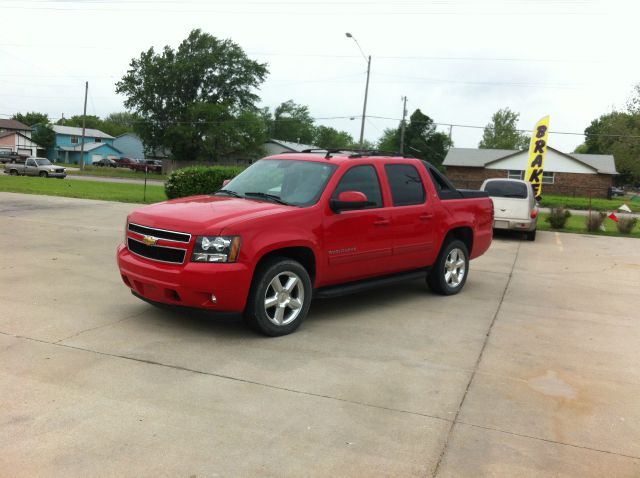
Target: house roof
13, 124
89, 147
75, 131
479, 158
297, 147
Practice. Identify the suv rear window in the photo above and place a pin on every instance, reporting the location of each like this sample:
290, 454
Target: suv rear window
506, 189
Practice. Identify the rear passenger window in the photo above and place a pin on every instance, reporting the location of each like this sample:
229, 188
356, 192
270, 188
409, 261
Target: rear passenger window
406, 184
363, 179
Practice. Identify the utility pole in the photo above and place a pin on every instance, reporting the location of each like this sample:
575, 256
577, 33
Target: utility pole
84, 114
450, 131
364, 108
402, 126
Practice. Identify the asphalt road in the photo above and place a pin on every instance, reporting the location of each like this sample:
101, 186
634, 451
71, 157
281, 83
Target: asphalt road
531, 371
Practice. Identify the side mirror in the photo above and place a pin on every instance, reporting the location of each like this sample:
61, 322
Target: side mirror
349, 200
225, 182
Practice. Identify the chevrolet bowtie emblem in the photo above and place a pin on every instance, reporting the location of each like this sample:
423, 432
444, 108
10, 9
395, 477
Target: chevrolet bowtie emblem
150, 240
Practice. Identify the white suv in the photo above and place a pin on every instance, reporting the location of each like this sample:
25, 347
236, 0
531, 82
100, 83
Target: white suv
514, 205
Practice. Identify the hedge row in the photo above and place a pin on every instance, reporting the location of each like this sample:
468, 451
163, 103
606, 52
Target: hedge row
197, 180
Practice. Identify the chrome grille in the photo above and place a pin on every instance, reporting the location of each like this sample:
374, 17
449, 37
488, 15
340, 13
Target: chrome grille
160, 233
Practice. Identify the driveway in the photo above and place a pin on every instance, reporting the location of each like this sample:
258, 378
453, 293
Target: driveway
531, 371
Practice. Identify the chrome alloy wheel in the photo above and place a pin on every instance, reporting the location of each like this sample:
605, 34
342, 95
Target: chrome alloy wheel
284, 298
454, 268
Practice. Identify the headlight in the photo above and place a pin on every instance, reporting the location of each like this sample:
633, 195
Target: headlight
216, 249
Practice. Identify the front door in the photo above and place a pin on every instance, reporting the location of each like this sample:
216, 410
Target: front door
358, 243
30, 168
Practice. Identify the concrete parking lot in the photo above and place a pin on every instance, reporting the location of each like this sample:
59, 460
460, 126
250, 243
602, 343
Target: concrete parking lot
533, 370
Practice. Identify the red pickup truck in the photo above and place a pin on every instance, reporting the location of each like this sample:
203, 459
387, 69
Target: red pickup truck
296, 226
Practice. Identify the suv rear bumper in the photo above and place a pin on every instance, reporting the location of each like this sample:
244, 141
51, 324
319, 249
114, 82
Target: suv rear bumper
515, 224
189, 285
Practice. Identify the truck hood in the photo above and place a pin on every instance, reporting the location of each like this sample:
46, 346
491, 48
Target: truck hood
203, 214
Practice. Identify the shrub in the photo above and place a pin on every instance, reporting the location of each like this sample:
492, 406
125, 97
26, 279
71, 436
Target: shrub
626, 224
557, 217
594, 221
196, 180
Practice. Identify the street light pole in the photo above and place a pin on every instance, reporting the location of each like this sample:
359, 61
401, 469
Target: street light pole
366, 89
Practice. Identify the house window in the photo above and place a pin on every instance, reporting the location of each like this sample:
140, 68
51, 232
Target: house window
74, 140
515, 174
548, 177
97, 140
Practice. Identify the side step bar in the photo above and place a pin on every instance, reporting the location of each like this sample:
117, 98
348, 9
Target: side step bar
358, 286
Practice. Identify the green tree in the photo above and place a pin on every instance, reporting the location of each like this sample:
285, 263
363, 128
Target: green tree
293, 122
119, 123
184, 98
43, 135
502, 132
91, 121
612, 133
420, 139
31, 118
327, 137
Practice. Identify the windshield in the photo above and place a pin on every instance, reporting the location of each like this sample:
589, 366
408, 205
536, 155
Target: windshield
43, 162
299, 183
506, 189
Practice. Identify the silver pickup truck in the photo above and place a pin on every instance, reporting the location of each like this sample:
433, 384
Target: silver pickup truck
36, 167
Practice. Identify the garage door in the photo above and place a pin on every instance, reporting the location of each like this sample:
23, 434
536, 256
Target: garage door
24, 152
96, 157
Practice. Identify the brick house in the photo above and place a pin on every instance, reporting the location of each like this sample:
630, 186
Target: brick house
564, 173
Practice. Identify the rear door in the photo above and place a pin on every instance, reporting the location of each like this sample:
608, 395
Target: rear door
358, 243
412, 217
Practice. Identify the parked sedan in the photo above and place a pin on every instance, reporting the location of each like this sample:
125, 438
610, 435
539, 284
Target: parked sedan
105, 162
514, 205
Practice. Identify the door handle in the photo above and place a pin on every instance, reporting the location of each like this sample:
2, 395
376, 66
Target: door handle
381, 221
426, 216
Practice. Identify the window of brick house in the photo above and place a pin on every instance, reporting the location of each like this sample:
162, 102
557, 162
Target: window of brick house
515, 174
548, 177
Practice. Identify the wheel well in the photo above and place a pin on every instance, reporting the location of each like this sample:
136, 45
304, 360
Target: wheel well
303, 255
464, 234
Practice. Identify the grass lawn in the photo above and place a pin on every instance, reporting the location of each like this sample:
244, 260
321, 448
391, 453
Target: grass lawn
597, 204
577, 224
82, 189
111, 172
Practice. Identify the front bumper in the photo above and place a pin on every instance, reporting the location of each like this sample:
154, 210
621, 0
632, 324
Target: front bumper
516, 224
189, 285
56, 175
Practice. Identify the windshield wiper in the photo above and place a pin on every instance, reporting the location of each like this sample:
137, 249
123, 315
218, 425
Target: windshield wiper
229, 192
271, 197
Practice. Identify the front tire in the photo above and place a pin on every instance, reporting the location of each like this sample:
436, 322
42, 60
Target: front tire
43, 174
280, 297
449, 273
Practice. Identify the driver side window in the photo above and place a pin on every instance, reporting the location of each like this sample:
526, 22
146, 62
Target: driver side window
363, 179
31, 162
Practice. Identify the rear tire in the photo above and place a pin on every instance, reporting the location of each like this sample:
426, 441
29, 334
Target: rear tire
280, 297
531, 235
13, 172
449, 273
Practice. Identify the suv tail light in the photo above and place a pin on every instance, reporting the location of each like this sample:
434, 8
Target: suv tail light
534, 213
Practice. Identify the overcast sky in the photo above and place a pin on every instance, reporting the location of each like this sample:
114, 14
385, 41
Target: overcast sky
458, 61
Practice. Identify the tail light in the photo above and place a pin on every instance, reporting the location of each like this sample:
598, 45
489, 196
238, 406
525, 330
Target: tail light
534, 213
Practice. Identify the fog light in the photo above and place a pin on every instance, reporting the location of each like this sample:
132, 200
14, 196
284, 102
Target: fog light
213, 299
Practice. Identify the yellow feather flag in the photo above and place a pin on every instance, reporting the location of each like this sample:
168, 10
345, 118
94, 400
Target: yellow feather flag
537, 153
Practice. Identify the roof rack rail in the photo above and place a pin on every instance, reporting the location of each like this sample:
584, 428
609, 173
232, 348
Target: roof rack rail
355, 153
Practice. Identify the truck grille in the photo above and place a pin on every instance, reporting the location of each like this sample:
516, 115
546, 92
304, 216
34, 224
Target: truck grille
160, 233
157, 253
